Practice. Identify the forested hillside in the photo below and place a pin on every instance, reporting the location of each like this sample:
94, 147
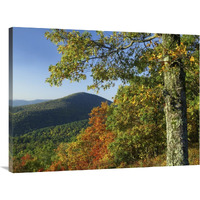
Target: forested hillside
40, 144
71, 108
97, 144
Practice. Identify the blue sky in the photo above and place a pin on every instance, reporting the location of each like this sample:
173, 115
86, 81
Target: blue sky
32, 55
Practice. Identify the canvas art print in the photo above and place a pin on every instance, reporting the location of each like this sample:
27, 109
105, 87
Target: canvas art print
83, 100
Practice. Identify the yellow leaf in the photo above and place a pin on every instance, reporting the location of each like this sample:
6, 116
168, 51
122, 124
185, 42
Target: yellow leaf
192, 59
159, 56
133, 102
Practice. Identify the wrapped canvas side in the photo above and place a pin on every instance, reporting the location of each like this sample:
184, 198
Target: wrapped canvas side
10, 98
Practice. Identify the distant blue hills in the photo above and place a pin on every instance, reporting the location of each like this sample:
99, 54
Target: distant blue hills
26, 102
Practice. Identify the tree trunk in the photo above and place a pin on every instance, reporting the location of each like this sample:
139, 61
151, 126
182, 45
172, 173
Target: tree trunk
175, 104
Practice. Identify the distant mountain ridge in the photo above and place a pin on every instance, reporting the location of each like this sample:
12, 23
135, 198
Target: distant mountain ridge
60, 111
26, 102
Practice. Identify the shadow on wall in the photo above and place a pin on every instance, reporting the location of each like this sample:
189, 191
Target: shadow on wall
5, 167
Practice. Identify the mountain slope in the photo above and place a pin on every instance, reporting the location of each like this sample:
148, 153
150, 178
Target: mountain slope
53, 134
71, 108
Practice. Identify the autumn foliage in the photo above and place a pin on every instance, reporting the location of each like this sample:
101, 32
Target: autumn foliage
23, 164
90, 151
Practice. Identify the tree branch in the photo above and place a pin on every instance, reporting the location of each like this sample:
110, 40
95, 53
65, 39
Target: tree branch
138, 41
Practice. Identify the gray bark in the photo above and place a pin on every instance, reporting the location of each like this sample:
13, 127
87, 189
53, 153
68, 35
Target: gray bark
175, 104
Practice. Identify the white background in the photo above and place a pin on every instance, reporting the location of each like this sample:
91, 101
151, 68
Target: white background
138, 16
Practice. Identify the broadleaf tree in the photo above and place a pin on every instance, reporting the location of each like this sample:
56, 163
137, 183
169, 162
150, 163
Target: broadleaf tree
110, 56
137, 119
